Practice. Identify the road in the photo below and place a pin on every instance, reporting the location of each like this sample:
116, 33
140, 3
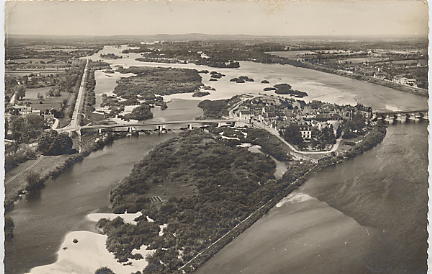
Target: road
24, 171
273, 132
76, 115
161, 123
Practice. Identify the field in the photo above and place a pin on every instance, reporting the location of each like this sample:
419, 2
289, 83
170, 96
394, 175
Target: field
292, 53
363, 60
21, 73
48, 102
32, 93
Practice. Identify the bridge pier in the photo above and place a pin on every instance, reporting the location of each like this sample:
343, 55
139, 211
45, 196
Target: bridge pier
401, 117
161, 128
390, 118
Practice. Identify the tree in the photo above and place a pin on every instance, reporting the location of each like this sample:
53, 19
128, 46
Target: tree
54, 92
17, 127
20, 92
34, 122
141, 112
327, 136
293, 135
104, 270
52, 143
34, 181
6, 125
26, 128
354, 126
8, 228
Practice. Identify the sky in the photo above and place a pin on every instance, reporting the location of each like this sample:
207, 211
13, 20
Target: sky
252, 17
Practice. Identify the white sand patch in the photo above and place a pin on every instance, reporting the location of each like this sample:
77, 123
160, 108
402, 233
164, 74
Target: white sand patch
245, 145
143, 251
121, 121
255, 149
392, 108
129, 109
230, 138
162, 228
128, 218
294, 198
88, 255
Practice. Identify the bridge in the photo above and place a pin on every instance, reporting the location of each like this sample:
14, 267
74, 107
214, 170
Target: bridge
133, 127
402, 116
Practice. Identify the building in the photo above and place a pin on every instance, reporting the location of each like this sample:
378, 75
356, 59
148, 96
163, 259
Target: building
406, 81
22, 110
306, 132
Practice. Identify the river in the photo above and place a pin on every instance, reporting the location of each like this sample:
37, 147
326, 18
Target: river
319, 85
364, 215
367, 215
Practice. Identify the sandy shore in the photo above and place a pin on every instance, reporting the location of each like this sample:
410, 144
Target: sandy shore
128, 218
89, 253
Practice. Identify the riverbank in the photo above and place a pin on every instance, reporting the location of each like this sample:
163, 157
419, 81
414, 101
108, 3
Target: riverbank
85, 252
42, 220
184, 256
356, 76
291, 183
364, 215
50, 167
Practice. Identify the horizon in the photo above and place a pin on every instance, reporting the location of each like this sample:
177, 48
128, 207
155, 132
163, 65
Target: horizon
389, 18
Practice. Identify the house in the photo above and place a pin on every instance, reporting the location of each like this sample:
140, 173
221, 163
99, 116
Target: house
22, 110
245, 115
406, 81
306, 132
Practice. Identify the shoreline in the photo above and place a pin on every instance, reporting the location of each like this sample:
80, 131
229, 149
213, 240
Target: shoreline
93, 244
85, 252
411, 90
55, 171
198, 260
285, 61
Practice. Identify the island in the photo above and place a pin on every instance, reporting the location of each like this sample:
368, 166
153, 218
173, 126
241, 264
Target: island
110, 56
287, 89
145, 88
196, 192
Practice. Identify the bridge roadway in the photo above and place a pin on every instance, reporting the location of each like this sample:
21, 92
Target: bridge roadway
400, 112
160, 123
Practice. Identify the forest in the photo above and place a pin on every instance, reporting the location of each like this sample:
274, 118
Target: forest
222, 184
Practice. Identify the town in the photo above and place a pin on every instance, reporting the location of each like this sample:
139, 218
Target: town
313, 126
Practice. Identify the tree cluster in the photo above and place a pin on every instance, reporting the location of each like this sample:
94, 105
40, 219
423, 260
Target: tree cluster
25, 128
228, 184
53, 143
142, 112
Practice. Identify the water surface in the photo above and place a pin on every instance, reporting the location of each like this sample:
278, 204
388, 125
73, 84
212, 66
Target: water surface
367, 215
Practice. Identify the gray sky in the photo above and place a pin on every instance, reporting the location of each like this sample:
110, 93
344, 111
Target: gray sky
271, 17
